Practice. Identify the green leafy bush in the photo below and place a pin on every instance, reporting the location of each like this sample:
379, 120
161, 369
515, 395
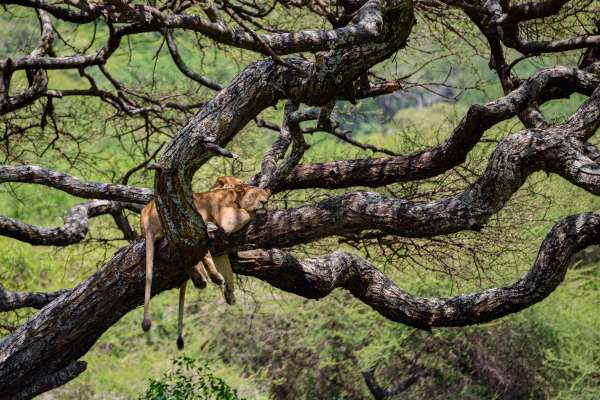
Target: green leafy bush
188, 380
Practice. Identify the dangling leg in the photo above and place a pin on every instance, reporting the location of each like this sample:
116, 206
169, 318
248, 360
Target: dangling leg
199, 268
148, 287
224, 266
215, 276
180, 343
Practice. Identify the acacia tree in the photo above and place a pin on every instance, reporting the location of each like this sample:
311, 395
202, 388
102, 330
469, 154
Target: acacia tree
313, 69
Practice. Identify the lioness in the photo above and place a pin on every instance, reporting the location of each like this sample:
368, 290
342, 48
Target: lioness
230, 208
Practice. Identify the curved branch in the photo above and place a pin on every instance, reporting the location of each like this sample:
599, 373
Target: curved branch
229, 111
74, 229
543, 86
117, 287
317, 277
514, 159
34, 356
270, 174
209, 83
73, 185
367, 28
38, 79
62, 13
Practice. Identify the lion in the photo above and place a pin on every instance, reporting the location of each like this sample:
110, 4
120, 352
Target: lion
229, 204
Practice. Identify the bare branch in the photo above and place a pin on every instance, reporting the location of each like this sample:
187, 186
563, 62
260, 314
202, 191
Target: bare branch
74, 186
14, 300
75, 228
317, 277
209, 83
544, 85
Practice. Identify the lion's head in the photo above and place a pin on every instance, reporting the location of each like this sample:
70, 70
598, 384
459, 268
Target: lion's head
226, 182
252, 199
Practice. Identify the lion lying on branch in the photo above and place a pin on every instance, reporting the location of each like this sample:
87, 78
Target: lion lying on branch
231, 205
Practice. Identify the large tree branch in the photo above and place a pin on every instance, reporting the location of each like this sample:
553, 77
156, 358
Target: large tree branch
52, 342
368, 26
515, 158
229, 111
47, 346
317, 277
543, 86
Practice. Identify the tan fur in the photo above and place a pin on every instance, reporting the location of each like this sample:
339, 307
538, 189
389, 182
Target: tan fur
229, 204
226, 182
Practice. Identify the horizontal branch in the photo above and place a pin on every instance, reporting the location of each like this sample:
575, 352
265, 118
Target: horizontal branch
515, 158
117, 288
73, 185
265, 83
317, 277
14, 300
147, 18
547, 84
74, 229
554, 46
528, 11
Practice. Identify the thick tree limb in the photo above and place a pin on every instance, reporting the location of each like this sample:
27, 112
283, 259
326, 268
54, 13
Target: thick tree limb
515, 159
265, 83
66, 329
33, 357
317, 277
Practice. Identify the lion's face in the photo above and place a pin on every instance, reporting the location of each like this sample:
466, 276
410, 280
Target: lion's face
254, 199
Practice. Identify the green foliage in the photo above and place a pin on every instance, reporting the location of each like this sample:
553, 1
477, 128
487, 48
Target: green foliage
189, 380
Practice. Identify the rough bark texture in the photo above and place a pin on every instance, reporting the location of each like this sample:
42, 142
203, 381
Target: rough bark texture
317, 277
15, 300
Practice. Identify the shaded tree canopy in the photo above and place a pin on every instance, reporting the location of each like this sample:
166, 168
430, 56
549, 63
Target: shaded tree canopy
309, 71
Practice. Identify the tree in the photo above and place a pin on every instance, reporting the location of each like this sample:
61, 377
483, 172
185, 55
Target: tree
315, 68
